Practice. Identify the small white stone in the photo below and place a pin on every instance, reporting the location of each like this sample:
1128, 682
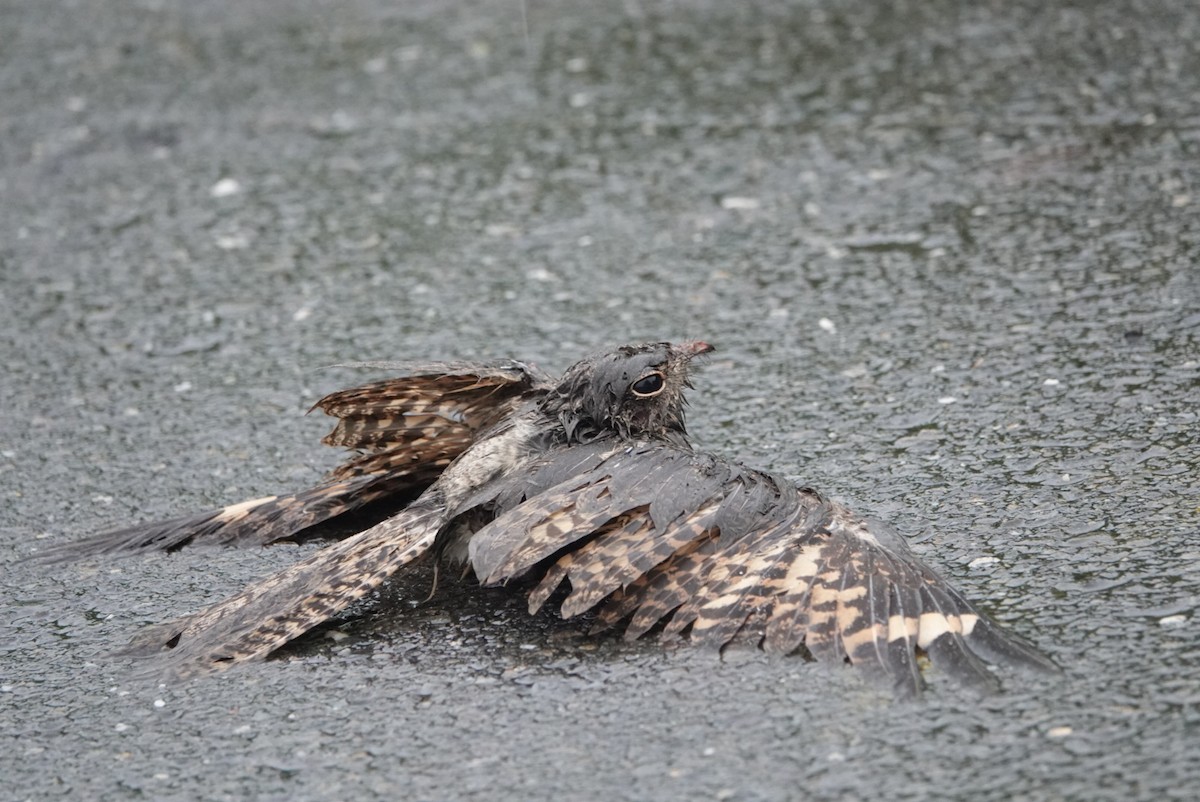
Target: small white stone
225, 187
578, 64
303, 313
1051, 382
500, 230
947, 399
232, 242
855, 371
739, 203
983, 562
1172, 620
183, 387
159, 703
1059, 732
121, 727
342, 121
825, 324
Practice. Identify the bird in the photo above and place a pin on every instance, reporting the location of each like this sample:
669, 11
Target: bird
584, 490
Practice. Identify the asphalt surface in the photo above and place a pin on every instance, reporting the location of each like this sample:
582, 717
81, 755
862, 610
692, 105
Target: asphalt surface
948, 253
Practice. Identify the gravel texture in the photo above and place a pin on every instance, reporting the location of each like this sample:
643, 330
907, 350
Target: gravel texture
948, 253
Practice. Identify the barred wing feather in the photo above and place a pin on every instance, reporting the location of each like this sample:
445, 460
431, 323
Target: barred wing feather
655, 534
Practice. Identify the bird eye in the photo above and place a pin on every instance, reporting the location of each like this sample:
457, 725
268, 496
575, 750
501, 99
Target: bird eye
649, 385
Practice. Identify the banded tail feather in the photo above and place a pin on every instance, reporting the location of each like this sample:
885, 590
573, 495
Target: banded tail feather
284, 606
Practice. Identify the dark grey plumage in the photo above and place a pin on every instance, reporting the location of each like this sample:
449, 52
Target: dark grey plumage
588, 481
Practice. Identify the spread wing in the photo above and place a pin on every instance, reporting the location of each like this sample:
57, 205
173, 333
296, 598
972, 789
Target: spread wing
255, 522
654, 534
406, 430
275, 610
428, 416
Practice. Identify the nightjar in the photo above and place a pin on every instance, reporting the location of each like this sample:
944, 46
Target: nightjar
585, 484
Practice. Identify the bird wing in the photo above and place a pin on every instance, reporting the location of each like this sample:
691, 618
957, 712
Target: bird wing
428, 415
409, 428
282, 607
258, 521
655, 534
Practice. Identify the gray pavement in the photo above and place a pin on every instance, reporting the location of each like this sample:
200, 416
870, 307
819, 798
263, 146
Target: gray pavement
948, 254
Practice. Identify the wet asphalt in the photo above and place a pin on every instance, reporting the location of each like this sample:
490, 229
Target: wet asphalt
948, 255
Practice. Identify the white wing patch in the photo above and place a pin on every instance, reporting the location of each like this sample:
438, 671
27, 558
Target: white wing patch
933, 625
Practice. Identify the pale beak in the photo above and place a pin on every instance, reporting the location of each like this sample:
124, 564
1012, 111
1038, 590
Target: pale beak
692, 349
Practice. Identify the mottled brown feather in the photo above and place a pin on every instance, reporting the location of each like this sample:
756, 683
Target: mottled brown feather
747, 558
280, 608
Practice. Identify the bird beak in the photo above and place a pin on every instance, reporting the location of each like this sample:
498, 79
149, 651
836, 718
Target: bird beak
692, 349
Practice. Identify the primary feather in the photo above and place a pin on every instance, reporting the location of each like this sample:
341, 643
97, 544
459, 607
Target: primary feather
405, 431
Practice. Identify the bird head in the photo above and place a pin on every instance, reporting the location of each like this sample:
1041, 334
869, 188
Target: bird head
635, 391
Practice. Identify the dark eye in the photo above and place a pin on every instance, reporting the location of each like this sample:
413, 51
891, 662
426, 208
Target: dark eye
651, 384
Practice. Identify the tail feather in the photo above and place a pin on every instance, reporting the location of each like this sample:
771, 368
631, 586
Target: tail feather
282, 607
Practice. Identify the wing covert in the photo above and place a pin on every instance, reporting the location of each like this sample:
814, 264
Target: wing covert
433, 412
